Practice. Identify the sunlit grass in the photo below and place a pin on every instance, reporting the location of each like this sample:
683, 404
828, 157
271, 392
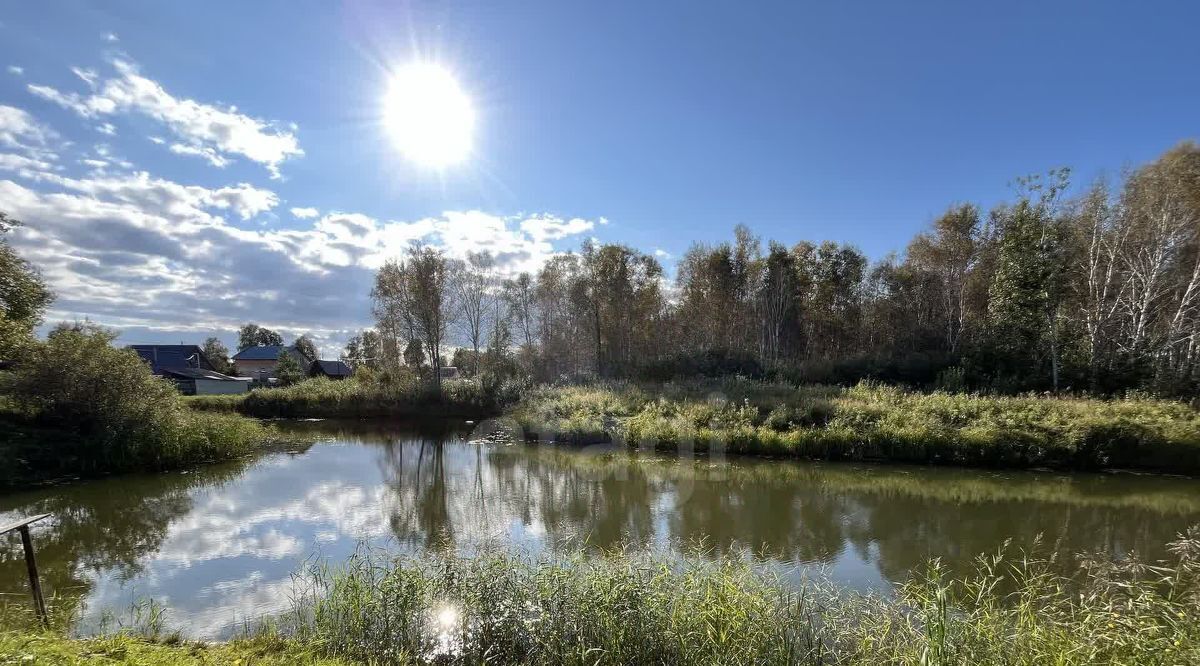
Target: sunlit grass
639, 607
51, 648
324, 398
872, 422
635, 608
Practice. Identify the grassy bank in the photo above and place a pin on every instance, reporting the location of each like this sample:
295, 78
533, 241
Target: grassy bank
872, 422
51, 648
634, 608
324, 398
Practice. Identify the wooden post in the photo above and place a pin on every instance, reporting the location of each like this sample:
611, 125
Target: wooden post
35, 583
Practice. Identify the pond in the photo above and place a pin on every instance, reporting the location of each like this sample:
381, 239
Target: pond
217, 545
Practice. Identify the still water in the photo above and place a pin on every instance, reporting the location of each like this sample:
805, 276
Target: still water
218, 545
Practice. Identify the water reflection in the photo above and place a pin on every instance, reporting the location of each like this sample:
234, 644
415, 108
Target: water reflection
218, 545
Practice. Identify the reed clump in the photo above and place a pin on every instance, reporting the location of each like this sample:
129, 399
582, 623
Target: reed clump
635, 608
638, 607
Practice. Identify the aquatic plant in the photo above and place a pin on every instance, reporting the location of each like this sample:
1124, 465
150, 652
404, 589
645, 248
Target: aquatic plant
638, 608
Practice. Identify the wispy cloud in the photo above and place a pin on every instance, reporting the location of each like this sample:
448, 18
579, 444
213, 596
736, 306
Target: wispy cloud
212, 133
20, 131
208, 154
15, 70
305, 213
22, 164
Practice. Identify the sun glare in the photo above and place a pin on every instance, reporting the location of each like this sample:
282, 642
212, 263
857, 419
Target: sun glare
429, 116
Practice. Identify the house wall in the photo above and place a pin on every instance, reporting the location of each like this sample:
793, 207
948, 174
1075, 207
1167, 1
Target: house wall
256, 369
220, 387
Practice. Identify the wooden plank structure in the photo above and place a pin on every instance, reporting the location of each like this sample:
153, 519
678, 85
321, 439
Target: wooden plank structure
35, 583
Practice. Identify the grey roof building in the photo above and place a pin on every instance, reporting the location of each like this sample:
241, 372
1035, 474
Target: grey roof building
163, 357
190, 369
330, 369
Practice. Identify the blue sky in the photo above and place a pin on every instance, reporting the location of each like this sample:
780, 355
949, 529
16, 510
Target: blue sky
152, 206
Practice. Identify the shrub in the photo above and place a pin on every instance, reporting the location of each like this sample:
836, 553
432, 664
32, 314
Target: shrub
84, 407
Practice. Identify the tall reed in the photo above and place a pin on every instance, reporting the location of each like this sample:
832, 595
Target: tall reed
635, 608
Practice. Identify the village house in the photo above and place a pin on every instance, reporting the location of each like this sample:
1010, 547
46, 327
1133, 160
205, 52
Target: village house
190, 369
261, 363
330, 369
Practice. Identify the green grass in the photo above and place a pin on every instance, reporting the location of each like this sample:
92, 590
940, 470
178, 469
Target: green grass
633, 608
872, 422
50, 648
325, 398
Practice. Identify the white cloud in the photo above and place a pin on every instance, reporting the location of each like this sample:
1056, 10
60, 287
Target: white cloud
104, 152
89, 76
662, 254
209, 155
204, 130
15, 70
136, 251
553, 228
107, 128
18, 129
110, 37
22, 164
145, 254
155, 196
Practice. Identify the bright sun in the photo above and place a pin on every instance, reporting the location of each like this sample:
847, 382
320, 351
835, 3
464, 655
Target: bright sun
429, 116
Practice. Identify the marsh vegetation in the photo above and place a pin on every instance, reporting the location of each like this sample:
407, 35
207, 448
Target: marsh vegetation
871, 421
634, 608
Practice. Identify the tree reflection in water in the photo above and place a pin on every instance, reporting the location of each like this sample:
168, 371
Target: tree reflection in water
226, 538
108, 525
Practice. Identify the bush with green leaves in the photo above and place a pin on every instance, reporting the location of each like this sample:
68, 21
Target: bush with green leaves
23, 297
81, 406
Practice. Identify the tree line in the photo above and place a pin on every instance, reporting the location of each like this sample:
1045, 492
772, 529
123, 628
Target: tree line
1097, 291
